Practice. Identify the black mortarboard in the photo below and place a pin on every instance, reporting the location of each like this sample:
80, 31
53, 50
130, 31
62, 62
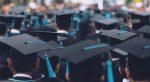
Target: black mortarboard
28, 15
53, 45
140, 19
142, 16
97, 17
25, 44
17, 20
84, 60
116, 36
138, 57
63, 18
45, 35
118, 53
121, 13
122, 56
22, 45
6, 19
63, 12
106, 23
53, 36
145, 31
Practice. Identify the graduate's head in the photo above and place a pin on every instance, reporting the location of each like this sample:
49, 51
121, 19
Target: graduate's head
22, 52
20, 63
138, 62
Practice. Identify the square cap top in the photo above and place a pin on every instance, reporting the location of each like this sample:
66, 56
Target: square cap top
141, 13
6, 19
48, 36
107, 21
138, 47
19, 17
97, 17
118, 34
63, 12
53, 45
81, 51
145, 29
25, 44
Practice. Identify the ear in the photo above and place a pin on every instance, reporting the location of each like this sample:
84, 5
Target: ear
9, 61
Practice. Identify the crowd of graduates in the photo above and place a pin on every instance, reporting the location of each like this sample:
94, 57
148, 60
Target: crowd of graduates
70, 43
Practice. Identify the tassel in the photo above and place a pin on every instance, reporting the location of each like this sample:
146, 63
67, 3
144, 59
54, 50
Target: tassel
49, 67
107, 15
67, 71
109, 71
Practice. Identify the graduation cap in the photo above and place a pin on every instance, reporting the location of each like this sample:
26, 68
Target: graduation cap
121, 56
25, 44
138, 57
6, 19
44, 35
97, 17
17, 20
81, 61
121, 13
53, 45
106, 23
145, 31
116, 36
142, 16
29, 15
21, 47
54, 36
63, 18
140, 19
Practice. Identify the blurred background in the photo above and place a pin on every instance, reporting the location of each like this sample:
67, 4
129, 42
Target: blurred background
44, 5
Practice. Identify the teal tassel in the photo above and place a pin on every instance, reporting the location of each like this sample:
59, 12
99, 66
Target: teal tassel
107, 15
49, 67
44, 22
109, 71
67, 70
36, 26
147, 47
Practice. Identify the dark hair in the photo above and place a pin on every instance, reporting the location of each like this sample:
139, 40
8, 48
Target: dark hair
63, 22
85, 29
3, 28
23, 63
139, 68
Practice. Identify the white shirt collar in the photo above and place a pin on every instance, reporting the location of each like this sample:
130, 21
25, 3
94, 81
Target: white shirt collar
22, 75
62, 31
